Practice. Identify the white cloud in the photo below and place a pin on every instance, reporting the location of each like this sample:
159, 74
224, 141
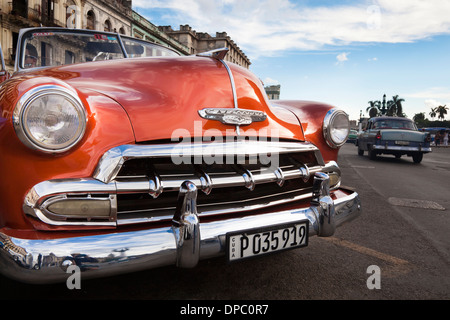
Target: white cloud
431, 103
442, 93
372, 59
267, 27
341, 58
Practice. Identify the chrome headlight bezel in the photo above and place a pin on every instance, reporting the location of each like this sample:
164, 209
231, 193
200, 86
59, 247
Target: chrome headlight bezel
329, 123
23, 105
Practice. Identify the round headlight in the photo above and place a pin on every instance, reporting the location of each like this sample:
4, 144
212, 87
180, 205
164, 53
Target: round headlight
50, 119
336, 128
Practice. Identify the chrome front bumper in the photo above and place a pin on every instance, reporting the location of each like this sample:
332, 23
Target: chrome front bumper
183, 243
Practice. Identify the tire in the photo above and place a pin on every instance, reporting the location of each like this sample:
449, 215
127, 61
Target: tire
417, 158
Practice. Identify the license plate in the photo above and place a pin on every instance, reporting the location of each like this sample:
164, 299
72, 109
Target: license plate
402, 143
255, 242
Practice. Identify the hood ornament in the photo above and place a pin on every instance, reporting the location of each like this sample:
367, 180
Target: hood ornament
218, 54
237, 117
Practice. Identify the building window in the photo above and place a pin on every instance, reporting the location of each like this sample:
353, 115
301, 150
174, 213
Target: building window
69, 57
20, 7
107, 26
90, 23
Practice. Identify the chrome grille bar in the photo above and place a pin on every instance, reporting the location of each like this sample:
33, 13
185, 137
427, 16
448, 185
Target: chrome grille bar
113, 160
246, 178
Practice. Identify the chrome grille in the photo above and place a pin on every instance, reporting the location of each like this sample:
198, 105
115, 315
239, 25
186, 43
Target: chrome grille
142, 182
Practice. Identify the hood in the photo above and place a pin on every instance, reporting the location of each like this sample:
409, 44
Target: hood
162, 96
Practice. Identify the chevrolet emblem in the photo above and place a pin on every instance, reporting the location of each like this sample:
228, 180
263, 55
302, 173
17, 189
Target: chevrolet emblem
238, 117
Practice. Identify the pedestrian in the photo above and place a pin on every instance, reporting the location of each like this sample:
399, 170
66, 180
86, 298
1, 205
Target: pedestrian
445, 139
437, 139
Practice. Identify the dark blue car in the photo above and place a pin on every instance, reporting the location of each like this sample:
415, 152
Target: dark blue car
393, 135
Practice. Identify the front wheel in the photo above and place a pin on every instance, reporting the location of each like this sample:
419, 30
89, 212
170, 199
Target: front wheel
417, 158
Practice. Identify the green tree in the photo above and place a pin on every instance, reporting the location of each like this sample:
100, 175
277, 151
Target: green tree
419, 117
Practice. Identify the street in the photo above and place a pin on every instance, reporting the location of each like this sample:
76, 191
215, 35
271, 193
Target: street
402, 233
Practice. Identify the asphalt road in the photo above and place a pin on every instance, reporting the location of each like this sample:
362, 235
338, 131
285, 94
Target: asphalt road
397, 249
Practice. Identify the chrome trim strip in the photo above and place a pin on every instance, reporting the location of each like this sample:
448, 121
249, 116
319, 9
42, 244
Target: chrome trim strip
401, 148
46, 261
233, 89
113, 159
220, 54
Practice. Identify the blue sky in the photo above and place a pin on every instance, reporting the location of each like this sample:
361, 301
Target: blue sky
342, 52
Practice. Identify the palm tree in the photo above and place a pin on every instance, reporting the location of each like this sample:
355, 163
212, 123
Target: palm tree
395, 106
433, 112
383, 108
373, 108
441, 110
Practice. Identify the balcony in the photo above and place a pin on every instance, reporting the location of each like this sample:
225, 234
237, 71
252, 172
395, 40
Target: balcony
32, 17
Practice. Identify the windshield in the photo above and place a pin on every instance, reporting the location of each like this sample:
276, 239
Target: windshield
49, 47
54, 48
137, 48
394, 124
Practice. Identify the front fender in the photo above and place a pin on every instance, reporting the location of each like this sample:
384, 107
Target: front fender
311, 117
107, 126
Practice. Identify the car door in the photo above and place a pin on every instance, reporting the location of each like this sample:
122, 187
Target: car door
4, 74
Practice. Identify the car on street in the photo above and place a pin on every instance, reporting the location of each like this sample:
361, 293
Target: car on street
120, 155
396, 136
352, 136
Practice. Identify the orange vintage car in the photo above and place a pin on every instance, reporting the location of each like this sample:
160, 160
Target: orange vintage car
119, 155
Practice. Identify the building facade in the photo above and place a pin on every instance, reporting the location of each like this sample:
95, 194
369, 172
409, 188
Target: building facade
198, 42
104, 15
143, 29
111, 15
273, 92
